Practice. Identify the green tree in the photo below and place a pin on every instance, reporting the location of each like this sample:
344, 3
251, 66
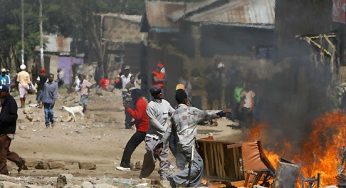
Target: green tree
10, 32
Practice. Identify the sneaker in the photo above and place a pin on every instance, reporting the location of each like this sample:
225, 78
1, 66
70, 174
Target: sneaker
123, 168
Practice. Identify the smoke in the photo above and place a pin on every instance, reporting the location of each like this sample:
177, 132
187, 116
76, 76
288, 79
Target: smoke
292, 98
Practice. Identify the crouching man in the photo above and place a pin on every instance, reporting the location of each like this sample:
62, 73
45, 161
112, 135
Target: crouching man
185, 119
8, 119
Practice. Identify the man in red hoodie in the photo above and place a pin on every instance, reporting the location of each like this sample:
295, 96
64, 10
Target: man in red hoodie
142, 124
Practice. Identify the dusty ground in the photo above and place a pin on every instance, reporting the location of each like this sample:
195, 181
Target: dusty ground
99, 138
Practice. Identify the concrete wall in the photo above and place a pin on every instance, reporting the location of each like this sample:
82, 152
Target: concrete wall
120, 30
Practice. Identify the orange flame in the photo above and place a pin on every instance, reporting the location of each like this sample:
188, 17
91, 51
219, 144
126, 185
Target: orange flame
319, 153
321, 149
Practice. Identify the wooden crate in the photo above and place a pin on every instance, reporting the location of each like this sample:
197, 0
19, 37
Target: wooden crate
221, 163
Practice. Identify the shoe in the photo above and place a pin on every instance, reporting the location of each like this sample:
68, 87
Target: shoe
47, 125
22, 166
123, 168
52, 124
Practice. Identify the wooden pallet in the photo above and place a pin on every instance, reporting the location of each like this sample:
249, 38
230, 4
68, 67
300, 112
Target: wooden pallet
220, 162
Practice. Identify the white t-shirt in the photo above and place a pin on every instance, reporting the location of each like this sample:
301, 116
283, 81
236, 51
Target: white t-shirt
125, 80
249, 99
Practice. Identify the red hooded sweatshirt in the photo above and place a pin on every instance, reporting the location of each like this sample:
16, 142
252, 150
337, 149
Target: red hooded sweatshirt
140, 115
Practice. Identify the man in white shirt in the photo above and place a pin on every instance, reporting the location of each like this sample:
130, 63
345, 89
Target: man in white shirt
248, 103
23, 79
126, 76
125, 80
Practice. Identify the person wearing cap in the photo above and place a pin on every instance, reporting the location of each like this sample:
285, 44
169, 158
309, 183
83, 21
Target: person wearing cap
126, 76
156, 141
8, 124
41, 79
48, 96
159, 76
125, 81
4, 78
142, 124
184, 126
23, 79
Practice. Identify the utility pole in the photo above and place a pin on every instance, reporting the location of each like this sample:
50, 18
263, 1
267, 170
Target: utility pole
41, 36
22, 12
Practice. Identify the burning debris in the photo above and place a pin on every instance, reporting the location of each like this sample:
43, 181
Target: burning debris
317, 155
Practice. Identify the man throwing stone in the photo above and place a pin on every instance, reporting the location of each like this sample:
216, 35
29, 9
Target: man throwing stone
185, 119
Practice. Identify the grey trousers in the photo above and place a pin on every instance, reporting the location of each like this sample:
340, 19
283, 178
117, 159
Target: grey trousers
155, 150
181, 178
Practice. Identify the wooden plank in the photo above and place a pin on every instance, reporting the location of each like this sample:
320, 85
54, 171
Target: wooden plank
205, 152
212, 164
238, 153
217, 159
236, 167
235, 145
223, 165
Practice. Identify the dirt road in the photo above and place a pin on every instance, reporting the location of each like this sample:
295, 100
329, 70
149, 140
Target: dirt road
98, 138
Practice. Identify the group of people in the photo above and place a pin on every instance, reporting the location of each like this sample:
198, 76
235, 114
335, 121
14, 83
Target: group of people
47, 94
232, 92
164, 129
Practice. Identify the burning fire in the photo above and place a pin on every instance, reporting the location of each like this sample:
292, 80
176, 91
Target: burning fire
319, 152
322, 147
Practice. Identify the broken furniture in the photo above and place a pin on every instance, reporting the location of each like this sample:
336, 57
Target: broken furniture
256, 165
286, 174
221, 163
231, 161
313, 182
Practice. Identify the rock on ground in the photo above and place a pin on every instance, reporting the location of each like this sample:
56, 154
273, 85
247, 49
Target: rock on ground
87, 166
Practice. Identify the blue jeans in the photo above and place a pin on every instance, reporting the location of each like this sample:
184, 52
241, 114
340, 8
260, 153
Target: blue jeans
48, 113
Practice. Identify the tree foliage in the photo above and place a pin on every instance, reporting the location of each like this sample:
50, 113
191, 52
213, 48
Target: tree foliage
70, 18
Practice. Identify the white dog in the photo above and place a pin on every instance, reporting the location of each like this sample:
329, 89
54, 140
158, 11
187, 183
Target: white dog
73, 110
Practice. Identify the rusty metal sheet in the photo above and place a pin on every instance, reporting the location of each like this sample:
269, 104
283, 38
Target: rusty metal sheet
158, 11
251, 12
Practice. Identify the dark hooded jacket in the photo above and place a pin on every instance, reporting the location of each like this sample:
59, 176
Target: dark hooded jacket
8, 116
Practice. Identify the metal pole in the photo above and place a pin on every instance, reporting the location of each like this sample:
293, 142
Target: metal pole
22, 12
41, 36
318, 180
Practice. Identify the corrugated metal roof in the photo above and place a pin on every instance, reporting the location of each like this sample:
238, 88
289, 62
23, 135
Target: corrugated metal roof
247, 12
158, 11
132, 18
192, 8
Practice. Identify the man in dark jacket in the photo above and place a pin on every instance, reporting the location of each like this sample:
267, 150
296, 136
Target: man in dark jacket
8, 120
